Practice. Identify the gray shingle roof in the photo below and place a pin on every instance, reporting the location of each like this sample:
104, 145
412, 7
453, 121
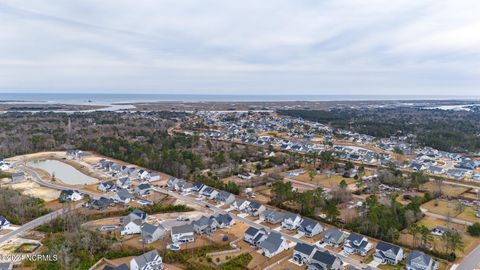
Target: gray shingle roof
304, 248
187, 228
272, 242
144, 259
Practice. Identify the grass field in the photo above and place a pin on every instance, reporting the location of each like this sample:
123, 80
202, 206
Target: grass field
449, 190
323, 180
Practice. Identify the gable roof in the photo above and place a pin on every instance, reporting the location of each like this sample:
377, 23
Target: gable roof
151, 229
187, 228
146, 258
324, 257
418, 257
252, 231
224, 219
385, 247
272, 242
304, 248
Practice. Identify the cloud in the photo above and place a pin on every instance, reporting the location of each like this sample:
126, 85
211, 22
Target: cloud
256, 47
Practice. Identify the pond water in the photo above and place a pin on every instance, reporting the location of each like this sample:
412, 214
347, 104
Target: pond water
63, 172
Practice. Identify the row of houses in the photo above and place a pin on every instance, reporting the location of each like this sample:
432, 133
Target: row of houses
134, 223
204, 225
121, 171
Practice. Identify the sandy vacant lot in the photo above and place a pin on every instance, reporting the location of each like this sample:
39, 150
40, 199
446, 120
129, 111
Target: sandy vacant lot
35, 190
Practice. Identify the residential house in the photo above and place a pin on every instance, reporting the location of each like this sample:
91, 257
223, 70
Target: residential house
4, 166
323, 260
151, 233
130, 225
148, 261
240, 204
172, 181
333, 237
198, 187
254, 236
224, 220
4, 223
107, 186
154, 177
205, 224
180, 184
387, 253
138, 214
182, 234
357, 244
255, 208
418, 260
273, 244
303, 253
123, 196
436, 170
310, 228
224, 197
209, 193
272, 216
143, 189
70, 195
124, 182
291, 221
187, 188
457, 174
100, 204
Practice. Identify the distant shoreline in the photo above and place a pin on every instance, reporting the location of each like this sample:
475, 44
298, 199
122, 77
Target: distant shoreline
106, 99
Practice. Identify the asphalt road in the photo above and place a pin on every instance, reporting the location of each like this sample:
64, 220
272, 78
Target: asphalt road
48, 217
36, 178
35, 223
217, 210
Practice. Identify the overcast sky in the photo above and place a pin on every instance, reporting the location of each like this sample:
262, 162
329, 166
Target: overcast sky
241, 47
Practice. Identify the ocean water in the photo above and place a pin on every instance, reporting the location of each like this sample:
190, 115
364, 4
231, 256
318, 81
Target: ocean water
104, 98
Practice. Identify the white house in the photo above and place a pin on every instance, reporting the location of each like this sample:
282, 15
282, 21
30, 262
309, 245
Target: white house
387, 253
303, 253
273, 244
4, 223
124, 182
70, 195
130, 226
209, 193
358, 244
148, 261
154, 177
107, 186
310, 228
291, 221
240, 204
123, 196
4, 166
182, 234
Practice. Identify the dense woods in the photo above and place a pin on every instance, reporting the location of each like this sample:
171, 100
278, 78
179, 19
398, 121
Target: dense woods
18, 208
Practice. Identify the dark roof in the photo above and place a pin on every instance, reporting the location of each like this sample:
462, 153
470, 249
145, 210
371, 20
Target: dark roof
251, 231
272, 242
304, 248
384, 246
324, 257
